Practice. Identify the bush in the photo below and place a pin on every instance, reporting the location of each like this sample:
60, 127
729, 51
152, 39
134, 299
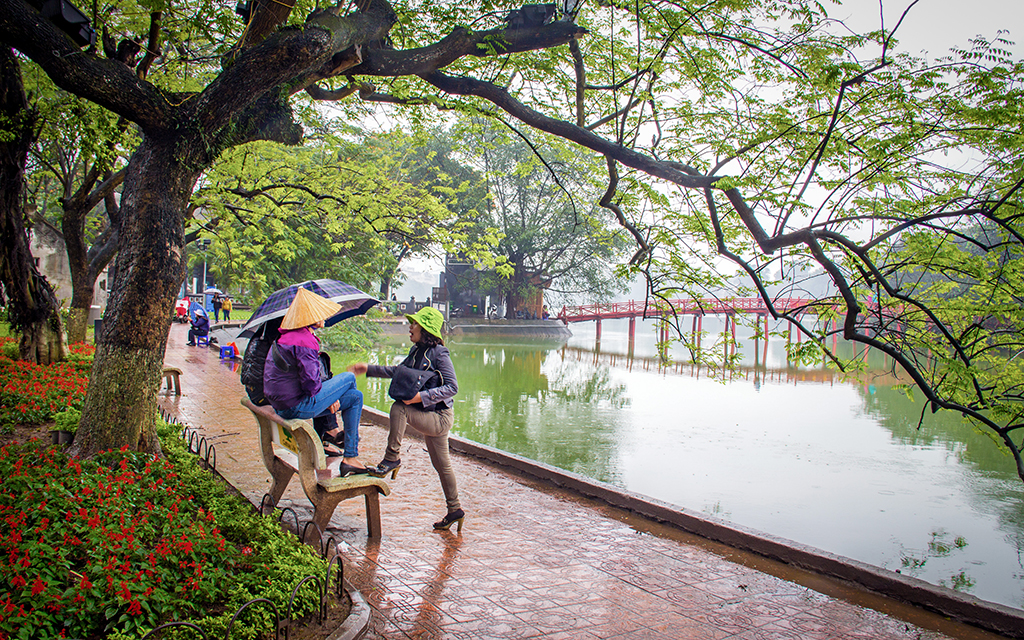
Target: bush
67, 420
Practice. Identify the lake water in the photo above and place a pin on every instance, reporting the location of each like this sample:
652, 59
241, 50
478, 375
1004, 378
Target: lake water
794, 452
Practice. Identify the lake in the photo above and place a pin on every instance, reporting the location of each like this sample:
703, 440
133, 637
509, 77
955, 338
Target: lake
795, 452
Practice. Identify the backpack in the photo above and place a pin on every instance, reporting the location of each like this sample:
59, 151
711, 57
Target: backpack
254, 361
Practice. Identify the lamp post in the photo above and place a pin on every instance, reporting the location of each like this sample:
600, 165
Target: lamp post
203, 244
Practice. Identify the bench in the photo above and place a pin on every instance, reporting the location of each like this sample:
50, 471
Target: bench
290, 447
172, 376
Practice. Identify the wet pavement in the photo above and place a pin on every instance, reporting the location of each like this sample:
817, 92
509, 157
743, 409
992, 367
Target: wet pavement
534, 561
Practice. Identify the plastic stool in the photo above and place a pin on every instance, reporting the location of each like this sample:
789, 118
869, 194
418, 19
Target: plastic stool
202, 341
227, 351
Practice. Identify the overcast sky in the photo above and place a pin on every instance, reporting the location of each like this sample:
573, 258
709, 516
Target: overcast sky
933, 26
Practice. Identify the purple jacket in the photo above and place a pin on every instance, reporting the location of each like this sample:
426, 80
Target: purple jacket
285, 388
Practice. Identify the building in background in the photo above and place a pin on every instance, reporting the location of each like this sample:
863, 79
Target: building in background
51, 258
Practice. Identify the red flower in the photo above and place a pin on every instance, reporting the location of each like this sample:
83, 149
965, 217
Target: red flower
38, 587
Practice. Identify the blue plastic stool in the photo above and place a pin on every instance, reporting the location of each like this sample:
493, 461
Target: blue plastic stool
227, 352
202, 341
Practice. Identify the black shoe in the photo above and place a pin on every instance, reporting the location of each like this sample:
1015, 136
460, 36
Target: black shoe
190, 344
455, 516
346, 470
385, 467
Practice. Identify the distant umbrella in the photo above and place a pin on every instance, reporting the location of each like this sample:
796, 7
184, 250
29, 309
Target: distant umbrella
196, 309
213, 290
269, 314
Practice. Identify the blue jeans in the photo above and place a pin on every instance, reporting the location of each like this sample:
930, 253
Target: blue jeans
341, 387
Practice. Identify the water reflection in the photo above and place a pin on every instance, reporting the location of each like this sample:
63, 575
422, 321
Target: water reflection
798, 452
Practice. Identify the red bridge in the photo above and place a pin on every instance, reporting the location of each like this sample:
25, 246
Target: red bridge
697, 308
705, 306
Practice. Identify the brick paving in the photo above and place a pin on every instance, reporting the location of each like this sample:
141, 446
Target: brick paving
534, 561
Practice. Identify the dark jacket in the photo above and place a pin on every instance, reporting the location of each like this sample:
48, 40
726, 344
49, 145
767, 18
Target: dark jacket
434, 359
201, 325
299, 379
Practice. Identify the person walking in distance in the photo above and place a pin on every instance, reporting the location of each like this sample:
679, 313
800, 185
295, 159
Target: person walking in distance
428, 412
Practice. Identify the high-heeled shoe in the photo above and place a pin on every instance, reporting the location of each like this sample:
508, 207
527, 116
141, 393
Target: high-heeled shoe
446, 523
346, 470
385, 467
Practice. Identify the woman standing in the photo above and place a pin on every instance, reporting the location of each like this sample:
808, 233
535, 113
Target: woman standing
292, 379
429, 411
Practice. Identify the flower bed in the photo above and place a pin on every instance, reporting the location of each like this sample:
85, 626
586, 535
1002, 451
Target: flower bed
115, 546
112, 547
32, 394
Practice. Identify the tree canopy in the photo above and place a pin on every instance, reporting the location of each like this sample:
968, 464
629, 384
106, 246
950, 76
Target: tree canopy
752, 135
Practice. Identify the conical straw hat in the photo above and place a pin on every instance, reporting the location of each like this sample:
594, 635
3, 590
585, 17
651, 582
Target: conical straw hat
308, 309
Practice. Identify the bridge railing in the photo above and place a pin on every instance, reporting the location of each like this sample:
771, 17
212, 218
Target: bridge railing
704, 306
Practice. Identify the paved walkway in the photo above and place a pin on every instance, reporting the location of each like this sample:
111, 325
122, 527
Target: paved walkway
533, 561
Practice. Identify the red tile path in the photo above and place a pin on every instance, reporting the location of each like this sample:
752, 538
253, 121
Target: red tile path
534, 561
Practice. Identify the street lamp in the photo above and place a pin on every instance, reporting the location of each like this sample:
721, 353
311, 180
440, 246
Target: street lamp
203, 244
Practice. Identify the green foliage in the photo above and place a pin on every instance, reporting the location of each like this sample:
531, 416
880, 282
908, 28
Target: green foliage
349, 207
351, 336
67, 420
550, 233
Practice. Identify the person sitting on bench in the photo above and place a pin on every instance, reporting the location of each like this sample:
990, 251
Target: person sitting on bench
296, 387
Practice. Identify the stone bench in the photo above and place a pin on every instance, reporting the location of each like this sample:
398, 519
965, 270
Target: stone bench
172, 377
290, 447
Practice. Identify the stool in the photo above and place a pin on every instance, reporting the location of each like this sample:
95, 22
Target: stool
202, 341
171, 377
227, 351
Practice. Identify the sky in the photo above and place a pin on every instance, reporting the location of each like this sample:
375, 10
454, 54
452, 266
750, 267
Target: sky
931, 28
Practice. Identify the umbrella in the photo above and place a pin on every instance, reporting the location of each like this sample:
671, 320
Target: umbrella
212, 290
196, 309
353, 303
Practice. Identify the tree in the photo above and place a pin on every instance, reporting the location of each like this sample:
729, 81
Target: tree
183, 133
747, 132
73, 182
345, 207
31, 305
553, 236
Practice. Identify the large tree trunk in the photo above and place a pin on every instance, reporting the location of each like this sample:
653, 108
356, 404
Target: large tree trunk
32, 306
121, 400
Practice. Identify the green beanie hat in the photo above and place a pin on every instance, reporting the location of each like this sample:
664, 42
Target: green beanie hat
430, 319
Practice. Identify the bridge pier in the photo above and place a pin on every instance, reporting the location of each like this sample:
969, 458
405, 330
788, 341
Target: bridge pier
599, 329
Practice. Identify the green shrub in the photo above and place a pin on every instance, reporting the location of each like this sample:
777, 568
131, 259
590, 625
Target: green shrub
67, 420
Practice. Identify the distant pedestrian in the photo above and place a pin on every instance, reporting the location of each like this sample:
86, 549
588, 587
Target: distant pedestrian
217, 302
225, 308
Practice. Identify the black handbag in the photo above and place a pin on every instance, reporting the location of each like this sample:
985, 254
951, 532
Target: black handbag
406, 382
325, 367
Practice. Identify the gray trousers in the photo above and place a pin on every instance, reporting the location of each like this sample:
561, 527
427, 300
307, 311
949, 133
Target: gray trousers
434, 427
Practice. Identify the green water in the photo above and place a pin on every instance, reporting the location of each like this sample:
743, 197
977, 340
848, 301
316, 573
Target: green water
796, 453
